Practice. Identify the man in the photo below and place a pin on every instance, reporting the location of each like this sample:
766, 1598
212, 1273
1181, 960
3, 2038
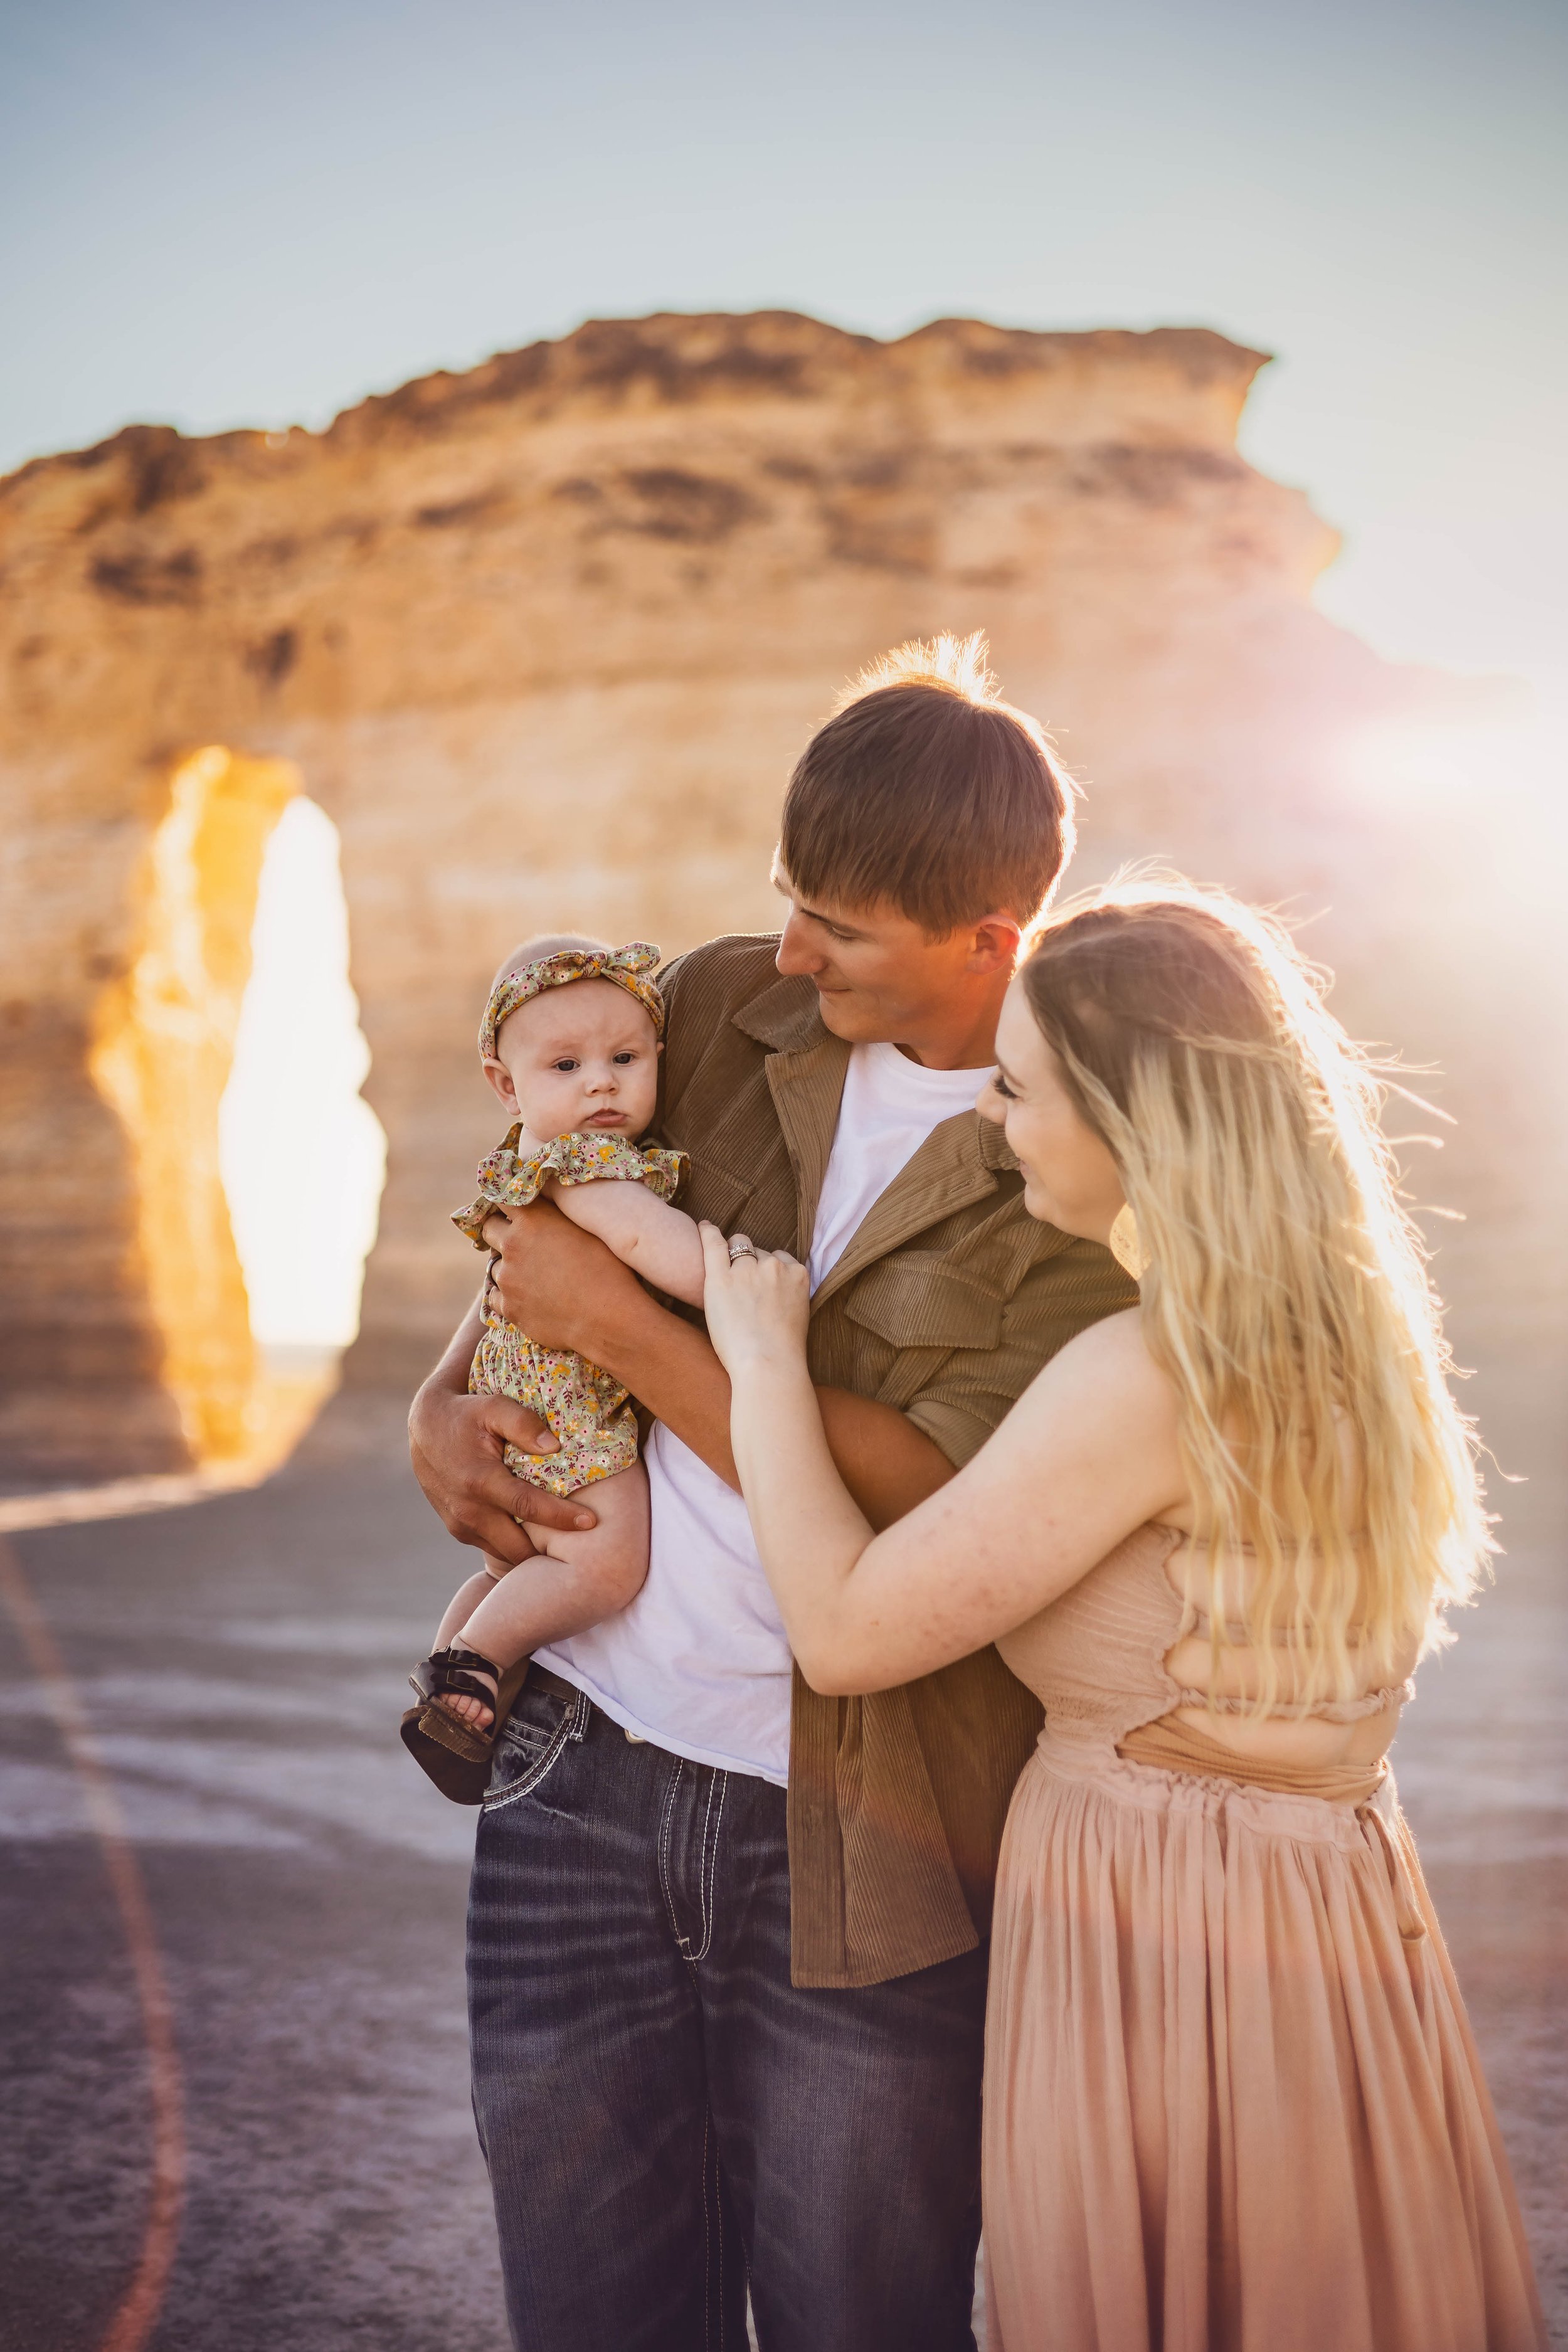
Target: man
726, 1937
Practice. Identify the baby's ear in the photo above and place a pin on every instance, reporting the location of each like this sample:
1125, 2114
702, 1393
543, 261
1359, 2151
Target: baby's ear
499, 1078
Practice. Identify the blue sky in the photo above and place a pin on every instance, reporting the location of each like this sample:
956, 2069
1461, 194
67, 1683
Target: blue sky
216, 216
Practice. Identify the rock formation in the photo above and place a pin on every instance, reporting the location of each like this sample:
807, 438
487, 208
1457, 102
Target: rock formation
544, 639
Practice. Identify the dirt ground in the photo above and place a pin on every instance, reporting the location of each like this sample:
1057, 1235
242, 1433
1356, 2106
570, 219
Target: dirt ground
240, 1667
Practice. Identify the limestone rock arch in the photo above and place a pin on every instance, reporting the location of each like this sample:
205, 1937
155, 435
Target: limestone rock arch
544, 639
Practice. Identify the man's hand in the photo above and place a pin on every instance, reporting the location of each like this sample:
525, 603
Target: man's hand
558, 1283
455, 1444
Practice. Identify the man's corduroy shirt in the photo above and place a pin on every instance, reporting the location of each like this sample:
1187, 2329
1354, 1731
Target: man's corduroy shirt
945, 1305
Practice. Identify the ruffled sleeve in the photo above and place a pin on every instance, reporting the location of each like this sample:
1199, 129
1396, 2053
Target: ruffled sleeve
508, 1178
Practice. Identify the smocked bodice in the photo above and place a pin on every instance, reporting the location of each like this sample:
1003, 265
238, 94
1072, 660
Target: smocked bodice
1096, 1658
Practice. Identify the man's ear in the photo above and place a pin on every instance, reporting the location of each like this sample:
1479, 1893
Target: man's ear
994, 943
499, 1078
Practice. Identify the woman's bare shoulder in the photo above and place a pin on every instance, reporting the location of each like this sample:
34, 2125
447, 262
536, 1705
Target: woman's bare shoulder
1091, 1450
1102, 1387
1114, 1352
1106, 1383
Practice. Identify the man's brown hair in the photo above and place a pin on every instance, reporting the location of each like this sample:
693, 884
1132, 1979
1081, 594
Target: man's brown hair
926, 792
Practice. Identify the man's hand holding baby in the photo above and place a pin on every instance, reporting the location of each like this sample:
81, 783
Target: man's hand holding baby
455, 1443
560, 1283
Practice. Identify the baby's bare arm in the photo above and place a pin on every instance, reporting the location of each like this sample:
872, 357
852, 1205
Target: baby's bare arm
658, 1242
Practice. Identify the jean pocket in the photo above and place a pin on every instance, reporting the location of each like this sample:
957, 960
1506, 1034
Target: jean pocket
528, 1744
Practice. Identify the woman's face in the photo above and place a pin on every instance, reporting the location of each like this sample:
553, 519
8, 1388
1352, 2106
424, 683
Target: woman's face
1070, 1180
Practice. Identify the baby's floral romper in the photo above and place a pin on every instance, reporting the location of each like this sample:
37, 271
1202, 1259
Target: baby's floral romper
595, 1426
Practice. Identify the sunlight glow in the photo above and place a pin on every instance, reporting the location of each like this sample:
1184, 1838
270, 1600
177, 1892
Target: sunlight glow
1513, 765
304, 1157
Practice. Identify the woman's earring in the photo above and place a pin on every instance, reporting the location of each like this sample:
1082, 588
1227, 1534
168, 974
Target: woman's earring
1126, 1244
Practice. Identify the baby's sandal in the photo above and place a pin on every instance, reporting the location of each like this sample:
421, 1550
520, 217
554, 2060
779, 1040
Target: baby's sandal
455, 1754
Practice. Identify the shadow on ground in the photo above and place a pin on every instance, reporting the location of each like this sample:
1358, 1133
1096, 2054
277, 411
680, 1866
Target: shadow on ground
241, 1662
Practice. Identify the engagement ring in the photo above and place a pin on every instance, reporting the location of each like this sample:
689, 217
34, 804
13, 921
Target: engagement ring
740, 1246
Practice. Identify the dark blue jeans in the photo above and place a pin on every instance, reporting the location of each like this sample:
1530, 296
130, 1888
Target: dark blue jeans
665, 2117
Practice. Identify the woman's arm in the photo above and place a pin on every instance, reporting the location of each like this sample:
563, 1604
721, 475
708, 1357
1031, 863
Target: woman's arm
1088, 1455
658, 1241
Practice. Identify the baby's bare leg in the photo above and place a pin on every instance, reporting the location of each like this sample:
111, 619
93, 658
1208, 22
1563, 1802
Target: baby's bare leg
466, 1599
576, 1578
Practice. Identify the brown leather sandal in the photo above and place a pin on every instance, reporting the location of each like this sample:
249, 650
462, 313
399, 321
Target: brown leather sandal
456, 1755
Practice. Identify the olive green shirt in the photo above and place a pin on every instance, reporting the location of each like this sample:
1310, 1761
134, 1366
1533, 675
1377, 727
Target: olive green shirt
945, 1304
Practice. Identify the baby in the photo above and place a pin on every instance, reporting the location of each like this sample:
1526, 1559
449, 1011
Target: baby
571, 1044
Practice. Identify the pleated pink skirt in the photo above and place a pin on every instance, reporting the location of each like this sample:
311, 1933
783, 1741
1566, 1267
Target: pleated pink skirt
1232, 2101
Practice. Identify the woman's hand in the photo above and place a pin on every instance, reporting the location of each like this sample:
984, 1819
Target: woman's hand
809, 1532
758, 1305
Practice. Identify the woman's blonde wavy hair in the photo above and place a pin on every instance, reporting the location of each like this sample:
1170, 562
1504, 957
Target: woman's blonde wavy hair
1286, 1293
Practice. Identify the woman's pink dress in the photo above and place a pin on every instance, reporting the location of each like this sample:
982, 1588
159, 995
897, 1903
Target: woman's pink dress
1232, 2102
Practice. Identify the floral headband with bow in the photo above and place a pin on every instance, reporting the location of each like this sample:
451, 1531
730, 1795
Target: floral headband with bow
626, 966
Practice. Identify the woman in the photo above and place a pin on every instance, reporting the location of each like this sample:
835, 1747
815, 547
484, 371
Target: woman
1231, 2098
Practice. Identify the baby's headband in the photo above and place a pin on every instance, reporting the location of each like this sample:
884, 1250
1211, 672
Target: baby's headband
626, 966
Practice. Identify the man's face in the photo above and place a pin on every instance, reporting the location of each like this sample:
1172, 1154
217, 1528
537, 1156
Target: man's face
879, 976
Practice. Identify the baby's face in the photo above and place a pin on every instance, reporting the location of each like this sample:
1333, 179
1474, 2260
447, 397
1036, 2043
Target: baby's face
583, 1059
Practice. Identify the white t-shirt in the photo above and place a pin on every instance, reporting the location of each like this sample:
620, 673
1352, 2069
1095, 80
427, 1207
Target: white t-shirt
698, 1664
890, 1105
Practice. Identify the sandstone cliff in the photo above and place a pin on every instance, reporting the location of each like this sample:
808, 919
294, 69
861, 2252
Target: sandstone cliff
544, 640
